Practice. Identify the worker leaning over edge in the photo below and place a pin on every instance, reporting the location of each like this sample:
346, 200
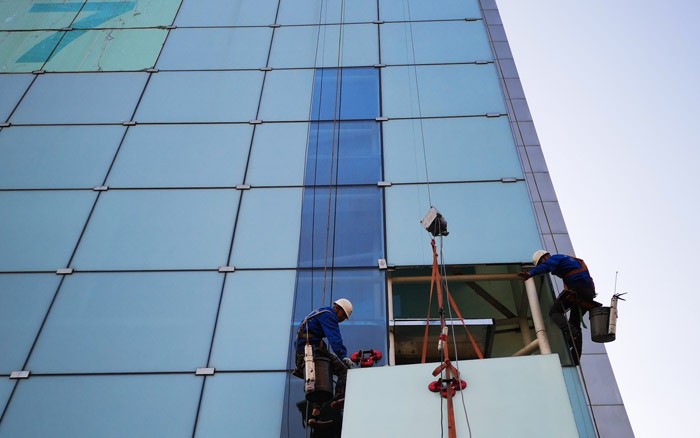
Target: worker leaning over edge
319, 324
578, 293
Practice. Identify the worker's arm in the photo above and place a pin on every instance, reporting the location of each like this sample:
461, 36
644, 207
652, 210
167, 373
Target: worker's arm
329, 322
547, 266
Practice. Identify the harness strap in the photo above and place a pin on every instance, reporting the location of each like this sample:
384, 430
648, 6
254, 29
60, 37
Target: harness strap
583, 268
305, 334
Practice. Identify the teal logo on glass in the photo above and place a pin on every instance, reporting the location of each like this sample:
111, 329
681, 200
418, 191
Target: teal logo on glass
103, 12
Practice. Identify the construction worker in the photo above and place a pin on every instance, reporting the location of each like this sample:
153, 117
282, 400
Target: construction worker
578, 294
319, 324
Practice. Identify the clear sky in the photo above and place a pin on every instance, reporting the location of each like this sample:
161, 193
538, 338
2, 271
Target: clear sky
614, 91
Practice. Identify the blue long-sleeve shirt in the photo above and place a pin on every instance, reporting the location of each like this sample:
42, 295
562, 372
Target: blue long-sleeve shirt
560, 265
324, 324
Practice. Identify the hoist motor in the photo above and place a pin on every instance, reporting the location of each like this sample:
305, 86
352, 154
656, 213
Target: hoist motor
435, 223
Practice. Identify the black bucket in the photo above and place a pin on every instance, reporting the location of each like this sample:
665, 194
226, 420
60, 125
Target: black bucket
600, 325
323, 389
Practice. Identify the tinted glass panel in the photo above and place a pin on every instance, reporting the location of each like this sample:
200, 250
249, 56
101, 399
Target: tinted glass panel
434, 42
141, 13
226, 405
350, 151
286, 95
488, 223
24, 14
278, 154
326, 11
182, 156
446, 90
81, 98
263, 240
43, 229
137, 406
460, 149
352, 236
204, 49
201, 97
245, 290
12, 87
130, 322
57, 156
24, 301
402, 10
359, 88
314, 46
159, 229
6, 387
26, 51
227, 13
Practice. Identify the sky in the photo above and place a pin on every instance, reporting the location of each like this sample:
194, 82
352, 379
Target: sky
614, 91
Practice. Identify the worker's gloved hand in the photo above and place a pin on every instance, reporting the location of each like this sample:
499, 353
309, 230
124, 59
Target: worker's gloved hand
348, 363
524, 276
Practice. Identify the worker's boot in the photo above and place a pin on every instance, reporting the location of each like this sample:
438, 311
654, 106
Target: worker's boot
574, 340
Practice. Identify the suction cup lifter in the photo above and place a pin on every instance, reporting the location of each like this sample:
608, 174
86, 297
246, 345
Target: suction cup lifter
434, 223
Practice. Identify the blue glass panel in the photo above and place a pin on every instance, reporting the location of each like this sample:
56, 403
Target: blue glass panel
24, 300
57, 156
201, 97
460, 149
286, 95
445, 90
126, 13
354, 234
434, 42
129, 322
326, 11
226, 13
104, 406
262, 239
159, 229
182, 156
205, 49
12, 87
242, 404
6, 387
355, 97
48, 14
272, 291
278, 154
81, 98
488, 223
314, 46
402, 10
43, 229
352, 147
578, 402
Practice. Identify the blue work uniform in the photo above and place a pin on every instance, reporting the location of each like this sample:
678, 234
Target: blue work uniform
322, 323
561, 265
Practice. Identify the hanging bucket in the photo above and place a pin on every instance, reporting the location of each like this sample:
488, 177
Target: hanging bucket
600, 325
323, 390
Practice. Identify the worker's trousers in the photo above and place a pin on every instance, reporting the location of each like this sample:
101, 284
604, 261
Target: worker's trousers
561, 305
338, 369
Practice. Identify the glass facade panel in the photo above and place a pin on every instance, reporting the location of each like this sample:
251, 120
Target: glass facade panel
459, 149
24, 301
104, 406
434, 42
26, 51
227, 13
353, 233
246, 290
488, 223
359, 88
326, 11
141, 13
43, 228
231, 405
57, 156
314, 46
205, 49
182, 156
27, 15
12, 87
262, 239
129, 322
402, 10
159, 229
6, 387
81, 98
350, 150
286, 95
278, 154
201, 97
446, 90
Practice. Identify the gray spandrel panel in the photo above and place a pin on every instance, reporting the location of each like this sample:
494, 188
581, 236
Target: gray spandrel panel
527, 133
535, 158
508, 68
497, 33
81, 98
541, 217
545, 187
599, 376
502, 50
532, 188
555, 219
521, 110
563, 243
488, 4
613, 422
12, 87
515, 88
492, 16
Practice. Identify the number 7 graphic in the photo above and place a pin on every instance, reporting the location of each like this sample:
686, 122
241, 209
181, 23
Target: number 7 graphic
103, 12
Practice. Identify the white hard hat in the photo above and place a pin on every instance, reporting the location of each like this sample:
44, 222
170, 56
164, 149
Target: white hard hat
346, 305
538, 255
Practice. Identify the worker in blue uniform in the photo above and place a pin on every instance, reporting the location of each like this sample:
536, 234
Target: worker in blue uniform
324, 323
577, 296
